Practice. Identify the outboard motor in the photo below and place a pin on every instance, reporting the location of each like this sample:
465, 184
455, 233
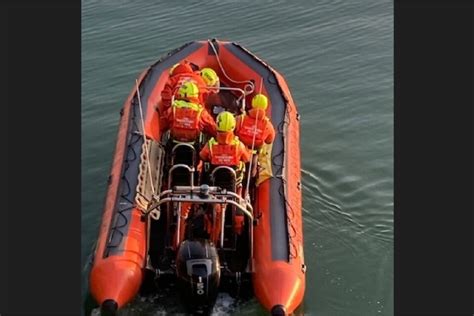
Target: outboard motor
198, 272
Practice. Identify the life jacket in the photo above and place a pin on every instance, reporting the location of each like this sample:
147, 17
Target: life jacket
172, 86
224, 154
247, 129
186, 117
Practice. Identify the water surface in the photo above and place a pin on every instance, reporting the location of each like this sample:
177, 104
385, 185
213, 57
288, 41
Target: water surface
337, 57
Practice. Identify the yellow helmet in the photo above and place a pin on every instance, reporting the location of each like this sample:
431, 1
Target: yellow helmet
188, 90
260, 101
210, 77
225, 122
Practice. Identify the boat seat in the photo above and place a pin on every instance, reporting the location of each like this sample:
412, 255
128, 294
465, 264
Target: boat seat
182, 154
225, 177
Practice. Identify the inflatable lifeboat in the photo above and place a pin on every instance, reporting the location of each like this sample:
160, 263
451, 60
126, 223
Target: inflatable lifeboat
160, 215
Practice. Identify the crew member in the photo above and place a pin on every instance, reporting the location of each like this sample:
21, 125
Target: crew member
206, 79
178, 75
255, 127
186, 118
227, 150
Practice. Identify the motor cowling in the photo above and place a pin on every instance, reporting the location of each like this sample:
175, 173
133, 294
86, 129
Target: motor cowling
198, 272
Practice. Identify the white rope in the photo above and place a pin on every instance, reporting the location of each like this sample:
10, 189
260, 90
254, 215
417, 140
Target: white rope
152, 213
247, 195
250, 83
246, 92
144, 138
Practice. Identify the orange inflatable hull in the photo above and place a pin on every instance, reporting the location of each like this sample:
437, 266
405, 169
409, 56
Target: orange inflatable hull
278, 274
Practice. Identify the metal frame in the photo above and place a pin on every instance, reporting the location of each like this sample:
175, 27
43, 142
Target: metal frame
232, 171
242, 97
205, 194
183, 144
213, 195
181, 165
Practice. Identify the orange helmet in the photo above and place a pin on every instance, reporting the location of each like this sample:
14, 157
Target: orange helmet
181, 68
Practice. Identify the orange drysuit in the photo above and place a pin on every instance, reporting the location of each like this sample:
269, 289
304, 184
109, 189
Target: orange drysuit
186, 120
245, 128
227, 150
181, 74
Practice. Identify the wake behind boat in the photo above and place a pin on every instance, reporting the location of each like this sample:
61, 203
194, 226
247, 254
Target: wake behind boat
207, 224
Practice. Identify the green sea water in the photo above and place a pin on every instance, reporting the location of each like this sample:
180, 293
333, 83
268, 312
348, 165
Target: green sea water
337, 57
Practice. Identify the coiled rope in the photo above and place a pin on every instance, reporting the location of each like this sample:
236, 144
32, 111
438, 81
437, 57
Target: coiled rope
144, 138
249, 83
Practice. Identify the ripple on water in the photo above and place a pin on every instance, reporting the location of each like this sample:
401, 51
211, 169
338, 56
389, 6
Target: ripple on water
337, 59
